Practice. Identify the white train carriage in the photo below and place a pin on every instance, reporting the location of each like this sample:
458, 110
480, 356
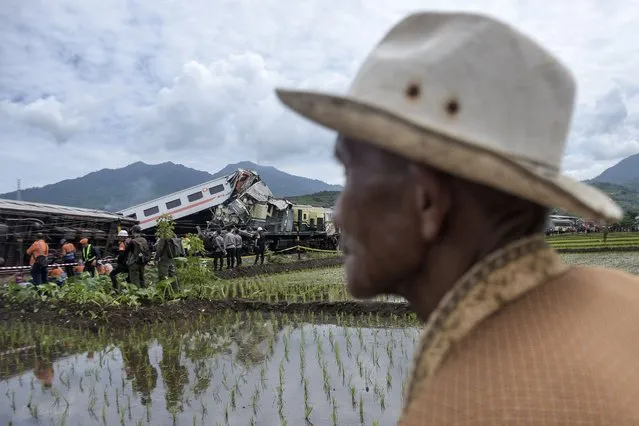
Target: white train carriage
182, 203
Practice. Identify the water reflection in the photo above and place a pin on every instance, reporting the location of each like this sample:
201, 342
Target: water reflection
137, 366
43, 368
229, 369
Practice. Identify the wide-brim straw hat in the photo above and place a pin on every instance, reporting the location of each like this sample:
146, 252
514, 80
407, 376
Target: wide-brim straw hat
468, 95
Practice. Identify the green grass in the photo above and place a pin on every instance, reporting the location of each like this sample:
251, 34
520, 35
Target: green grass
594, 240
198, 282
318, 199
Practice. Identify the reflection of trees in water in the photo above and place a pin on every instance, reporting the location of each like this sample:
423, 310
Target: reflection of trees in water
138, 368
249, 338
174, 374
29, 346
210, 339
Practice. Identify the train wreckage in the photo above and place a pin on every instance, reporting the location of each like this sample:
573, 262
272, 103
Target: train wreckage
241, 200
20, 221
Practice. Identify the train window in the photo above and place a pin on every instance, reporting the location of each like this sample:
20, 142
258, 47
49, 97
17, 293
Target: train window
304, 216
133, 216
173, 204
151, 211
215, 189
195, 196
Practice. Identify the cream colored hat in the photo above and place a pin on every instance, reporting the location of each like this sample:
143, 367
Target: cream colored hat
468, 95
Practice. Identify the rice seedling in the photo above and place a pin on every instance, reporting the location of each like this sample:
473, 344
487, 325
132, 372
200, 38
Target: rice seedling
182, 372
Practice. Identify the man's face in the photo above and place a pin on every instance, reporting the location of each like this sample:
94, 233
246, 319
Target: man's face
377, 214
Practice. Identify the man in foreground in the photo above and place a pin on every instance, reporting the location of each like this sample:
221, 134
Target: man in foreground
452, 134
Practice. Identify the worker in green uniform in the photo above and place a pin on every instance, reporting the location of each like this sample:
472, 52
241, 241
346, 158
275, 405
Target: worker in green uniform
138, 255
166, 250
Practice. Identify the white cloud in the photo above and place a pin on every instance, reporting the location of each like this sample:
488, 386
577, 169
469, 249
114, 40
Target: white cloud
48, 115
87, 85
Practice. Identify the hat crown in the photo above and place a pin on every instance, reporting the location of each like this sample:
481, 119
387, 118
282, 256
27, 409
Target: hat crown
472, 78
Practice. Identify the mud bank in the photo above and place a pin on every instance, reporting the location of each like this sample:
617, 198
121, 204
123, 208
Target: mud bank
249, 270
94, 318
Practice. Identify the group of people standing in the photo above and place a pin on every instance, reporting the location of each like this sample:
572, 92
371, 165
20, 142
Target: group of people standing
134, 254
229, 243
38, 254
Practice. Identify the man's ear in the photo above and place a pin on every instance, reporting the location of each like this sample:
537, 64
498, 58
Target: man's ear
433, 199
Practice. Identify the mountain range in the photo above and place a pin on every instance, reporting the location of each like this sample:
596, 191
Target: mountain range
624, 173
116, 189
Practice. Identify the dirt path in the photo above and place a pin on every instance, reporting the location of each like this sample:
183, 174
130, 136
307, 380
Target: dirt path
122, 317
250, 270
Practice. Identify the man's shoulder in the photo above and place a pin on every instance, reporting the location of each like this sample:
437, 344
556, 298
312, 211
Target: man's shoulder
572, 339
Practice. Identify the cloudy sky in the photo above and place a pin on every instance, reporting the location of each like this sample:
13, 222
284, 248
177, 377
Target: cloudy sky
91, 84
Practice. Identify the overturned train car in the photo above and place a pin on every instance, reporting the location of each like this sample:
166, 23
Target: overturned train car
244, 201
20, 221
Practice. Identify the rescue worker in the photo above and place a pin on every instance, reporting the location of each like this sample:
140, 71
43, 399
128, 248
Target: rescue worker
120, 266
260, 246
238, 247
229, 246
138, 255
57, 275
218, 252
38, 252
89, 256
68, 256
165, 253
453, 133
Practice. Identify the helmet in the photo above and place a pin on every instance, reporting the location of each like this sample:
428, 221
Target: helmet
39, 236
62, 241
123, 233
136, 228
259, 228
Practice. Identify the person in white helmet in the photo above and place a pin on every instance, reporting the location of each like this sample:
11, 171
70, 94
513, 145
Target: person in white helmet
120, 267
260, 246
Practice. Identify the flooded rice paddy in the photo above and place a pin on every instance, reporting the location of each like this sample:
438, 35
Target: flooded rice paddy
626, 261
232, 368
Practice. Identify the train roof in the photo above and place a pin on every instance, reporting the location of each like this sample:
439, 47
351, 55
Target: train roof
172, 195
42, 208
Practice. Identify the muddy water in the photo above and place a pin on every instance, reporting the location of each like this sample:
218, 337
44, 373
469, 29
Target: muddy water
235, 368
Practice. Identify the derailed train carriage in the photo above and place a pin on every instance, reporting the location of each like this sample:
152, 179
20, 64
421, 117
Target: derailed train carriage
244, 201
20, 221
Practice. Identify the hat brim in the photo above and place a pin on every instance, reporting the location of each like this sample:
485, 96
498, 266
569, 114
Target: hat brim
389, 131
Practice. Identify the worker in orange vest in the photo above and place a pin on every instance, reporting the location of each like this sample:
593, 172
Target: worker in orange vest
68, 256
57, 275
38, 260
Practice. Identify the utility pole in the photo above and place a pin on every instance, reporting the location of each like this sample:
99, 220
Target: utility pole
18, 193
